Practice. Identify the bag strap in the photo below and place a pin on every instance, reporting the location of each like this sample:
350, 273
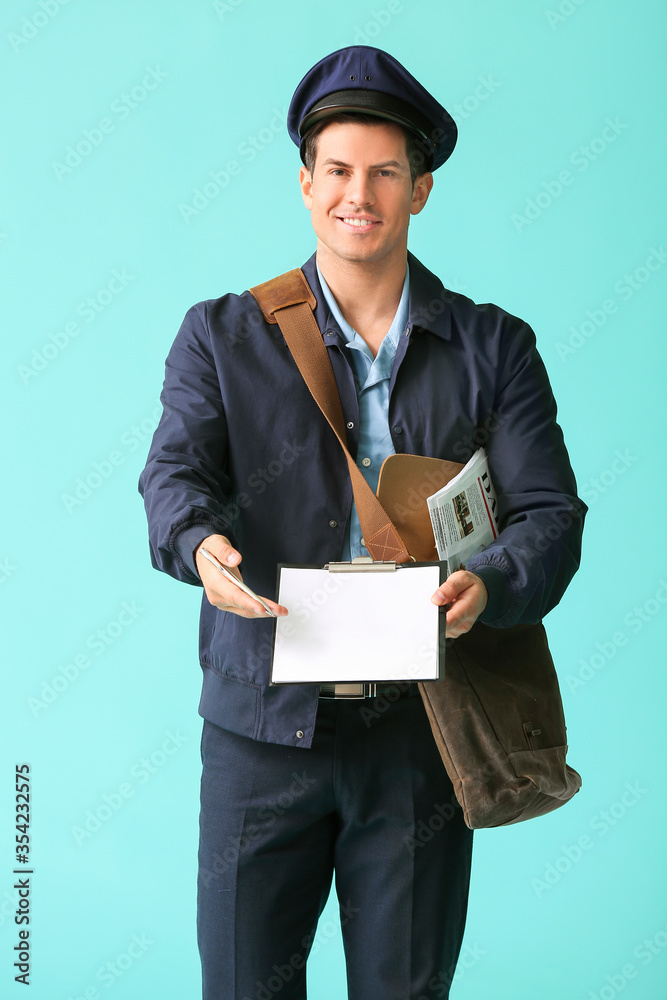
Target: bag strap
288, 300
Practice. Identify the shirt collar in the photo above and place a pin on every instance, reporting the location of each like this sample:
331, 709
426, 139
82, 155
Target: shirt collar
429, 306
385, 355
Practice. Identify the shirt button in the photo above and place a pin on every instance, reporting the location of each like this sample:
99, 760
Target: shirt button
366, 462
350, 425
398, 430
299, 734
333, 524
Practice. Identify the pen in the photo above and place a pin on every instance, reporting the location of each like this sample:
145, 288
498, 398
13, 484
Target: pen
234, 579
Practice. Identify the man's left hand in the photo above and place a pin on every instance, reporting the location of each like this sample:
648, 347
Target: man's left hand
467, 596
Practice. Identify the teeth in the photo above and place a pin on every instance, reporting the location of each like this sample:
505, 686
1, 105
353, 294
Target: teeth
358, 222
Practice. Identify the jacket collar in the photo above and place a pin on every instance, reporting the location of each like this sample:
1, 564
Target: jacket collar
429, 299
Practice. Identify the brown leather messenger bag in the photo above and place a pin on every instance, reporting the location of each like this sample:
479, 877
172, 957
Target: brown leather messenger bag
497, 717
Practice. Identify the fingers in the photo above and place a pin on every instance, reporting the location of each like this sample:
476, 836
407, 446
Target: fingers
238, 603
222, 593
466, 595
250, 610
454, 585
220, 547
458, 621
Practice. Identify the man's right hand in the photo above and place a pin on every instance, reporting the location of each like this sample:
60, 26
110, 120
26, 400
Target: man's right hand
222, 593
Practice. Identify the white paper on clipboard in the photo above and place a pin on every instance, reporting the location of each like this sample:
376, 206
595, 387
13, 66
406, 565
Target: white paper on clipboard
357, 626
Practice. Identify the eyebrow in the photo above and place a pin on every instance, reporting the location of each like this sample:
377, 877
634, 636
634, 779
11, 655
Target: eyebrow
374, 166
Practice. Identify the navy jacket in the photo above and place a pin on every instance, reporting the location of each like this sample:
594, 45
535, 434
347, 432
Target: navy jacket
242, 450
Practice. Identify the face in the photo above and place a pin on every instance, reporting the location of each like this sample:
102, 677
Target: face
360, 195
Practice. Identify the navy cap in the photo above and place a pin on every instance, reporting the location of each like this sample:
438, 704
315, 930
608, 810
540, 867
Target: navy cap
366, 80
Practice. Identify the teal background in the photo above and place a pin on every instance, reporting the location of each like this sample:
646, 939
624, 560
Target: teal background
551, 914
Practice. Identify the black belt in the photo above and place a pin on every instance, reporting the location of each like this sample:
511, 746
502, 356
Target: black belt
391, 690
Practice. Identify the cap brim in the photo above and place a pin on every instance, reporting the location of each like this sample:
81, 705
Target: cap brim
384, 106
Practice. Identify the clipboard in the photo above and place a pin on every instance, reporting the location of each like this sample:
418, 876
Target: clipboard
363, 620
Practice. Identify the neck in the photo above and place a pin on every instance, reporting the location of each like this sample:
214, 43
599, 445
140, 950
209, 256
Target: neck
367, 292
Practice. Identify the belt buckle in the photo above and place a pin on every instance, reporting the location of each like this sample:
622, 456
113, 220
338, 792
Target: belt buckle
348, 691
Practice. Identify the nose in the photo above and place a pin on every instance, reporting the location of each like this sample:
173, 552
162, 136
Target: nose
360, 190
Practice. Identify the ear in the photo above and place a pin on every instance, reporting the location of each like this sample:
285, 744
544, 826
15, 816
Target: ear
306, 184
420, 192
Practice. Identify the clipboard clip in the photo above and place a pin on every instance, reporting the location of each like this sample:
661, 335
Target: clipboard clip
364, 564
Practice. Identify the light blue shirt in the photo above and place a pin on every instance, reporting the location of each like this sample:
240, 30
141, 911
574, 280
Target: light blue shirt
371, 377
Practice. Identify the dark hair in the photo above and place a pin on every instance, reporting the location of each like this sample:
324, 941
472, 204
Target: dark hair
414, 146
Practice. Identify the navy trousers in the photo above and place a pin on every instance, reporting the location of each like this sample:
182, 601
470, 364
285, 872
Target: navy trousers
369, 803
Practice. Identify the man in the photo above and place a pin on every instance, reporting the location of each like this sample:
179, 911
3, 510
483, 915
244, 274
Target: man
298, 785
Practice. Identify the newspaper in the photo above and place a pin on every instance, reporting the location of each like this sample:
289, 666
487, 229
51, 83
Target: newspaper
464, 513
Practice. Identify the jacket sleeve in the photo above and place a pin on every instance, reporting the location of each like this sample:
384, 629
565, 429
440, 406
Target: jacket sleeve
185, 487
529, 565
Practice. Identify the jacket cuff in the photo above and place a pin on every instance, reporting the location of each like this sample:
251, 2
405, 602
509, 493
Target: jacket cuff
499, 591
188, 540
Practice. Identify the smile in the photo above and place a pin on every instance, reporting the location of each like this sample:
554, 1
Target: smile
361, 225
